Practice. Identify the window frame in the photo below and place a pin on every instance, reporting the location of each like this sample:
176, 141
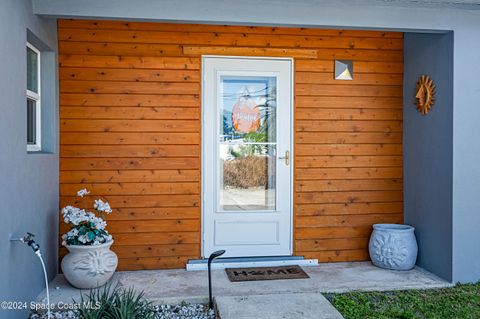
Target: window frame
38, 106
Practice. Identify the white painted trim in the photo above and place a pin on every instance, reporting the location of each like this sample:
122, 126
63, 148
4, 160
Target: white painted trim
292, 152
240, 264
203, 121
202, 160
38, 105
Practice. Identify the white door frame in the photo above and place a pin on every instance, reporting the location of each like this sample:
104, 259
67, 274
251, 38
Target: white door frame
204, 143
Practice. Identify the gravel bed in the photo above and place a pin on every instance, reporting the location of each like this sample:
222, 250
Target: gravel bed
55, 315
182, 311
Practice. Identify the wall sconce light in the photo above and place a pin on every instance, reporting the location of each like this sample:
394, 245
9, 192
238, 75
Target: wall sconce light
344, 70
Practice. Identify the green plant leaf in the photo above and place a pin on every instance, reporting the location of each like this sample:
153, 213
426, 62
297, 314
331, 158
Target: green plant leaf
115, 303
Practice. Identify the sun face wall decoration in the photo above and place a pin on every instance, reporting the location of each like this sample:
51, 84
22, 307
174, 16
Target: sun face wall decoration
425, 94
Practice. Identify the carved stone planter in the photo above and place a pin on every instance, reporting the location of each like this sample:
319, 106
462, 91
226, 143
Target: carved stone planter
393, 246
87, 267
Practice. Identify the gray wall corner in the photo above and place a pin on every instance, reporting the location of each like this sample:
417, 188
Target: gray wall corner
428, 150
29, 191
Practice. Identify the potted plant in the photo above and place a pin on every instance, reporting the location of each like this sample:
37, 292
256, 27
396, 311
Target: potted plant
90, 263
393, 246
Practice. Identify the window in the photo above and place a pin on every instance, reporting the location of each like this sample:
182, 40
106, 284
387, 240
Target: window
33, 99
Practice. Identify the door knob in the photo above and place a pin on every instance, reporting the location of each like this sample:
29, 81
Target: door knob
286, 157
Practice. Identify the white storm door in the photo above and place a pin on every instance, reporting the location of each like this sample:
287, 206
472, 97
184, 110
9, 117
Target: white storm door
247, 156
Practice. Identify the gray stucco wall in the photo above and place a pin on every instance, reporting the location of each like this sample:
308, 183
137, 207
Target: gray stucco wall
428, 150
362, 14
466, 154
29, 182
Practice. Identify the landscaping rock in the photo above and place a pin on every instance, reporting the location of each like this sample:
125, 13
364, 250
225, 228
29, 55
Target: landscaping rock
55, 315
182, 311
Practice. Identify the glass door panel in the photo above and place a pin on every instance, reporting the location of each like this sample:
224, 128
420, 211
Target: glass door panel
247, 143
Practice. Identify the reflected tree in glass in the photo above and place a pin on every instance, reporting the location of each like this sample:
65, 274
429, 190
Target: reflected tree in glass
248, 149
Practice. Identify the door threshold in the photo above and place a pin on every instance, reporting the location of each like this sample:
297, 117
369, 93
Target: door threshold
222, 263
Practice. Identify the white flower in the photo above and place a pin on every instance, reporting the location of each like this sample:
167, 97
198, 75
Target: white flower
100, 224
67, 212
73, 232
97, 222
83, 192
83, 239
102, 206
74, 215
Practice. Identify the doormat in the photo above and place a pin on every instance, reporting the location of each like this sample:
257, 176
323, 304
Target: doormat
265, 273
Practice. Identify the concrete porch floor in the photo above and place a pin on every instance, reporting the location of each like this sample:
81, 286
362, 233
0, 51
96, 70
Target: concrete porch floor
174, 286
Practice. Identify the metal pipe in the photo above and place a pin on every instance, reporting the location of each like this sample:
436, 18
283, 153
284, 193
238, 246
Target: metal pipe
214, 255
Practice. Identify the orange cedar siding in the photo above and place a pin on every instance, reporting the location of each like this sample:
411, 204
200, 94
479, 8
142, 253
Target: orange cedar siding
154, 26
131, 130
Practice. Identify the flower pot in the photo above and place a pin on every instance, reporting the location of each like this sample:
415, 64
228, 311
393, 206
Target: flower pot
393, 246
87, 267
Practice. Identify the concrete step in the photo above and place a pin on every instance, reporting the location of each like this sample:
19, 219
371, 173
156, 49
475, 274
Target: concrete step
277, 306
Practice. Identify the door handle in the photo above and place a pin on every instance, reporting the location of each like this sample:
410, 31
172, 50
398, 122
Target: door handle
286, 158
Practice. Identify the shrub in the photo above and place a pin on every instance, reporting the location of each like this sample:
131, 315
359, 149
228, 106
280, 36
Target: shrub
115, 303
245, 172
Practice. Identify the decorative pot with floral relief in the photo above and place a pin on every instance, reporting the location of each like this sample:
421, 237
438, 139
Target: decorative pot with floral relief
90, 263
393, 246
87, 267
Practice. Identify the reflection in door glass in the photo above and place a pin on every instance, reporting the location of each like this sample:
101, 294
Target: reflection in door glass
247, 143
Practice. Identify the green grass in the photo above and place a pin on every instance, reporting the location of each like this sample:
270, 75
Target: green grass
461, 301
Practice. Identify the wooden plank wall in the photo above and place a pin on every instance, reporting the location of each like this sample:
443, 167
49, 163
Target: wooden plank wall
130, 132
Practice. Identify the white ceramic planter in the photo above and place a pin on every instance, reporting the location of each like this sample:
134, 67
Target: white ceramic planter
87, 267
393, 246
